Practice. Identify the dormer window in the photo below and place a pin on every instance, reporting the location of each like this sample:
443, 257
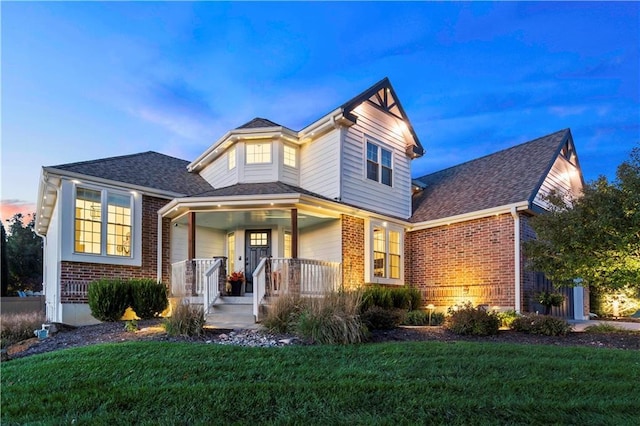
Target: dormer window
379, 164
231, 157
258, 153
290, 156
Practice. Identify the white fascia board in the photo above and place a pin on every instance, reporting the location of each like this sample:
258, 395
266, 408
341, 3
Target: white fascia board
236, 135
331, 121
212, 203
108, 183
47, 197
506, 209
337, 207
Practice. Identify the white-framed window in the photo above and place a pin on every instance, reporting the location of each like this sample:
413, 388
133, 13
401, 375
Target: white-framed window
290, 154
103, 231
386, 248
231, 252
379, 164
231, 158
287, 244
258, 153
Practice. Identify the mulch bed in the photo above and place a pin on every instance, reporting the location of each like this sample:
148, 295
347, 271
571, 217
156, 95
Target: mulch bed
151, 330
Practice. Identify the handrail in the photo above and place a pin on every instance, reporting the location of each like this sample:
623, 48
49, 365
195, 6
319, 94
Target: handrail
259, 285
211, 287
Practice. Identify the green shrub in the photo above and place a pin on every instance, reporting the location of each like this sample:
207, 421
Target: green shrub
467, 320
148, 297
548, 300
415, 298
541, 324
416, 317
378, 318
437, 318
377, 295
507, 317
185, 320
404, 297
282, 315
131, 326
17, 327
604, 328
109, 298
333, 319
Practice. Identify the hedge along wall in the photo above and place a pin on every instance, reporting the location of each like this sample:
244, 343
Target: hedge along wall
80, 272
472, 260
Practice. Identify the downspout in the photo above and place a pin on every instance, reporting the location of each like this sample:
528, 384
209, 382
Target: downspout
516, 250
159, 251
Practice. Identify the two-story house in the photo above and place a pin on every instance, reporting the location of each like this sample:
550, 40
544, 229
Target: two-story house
332, 205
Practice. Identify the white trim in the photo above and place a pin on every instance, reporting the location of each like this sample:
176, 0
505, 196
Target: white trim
523, 205
516, 252
369, 277
159, 251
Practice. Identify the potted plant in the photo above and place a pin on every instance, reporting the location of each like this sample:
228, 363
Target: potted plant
549, 299
235, 281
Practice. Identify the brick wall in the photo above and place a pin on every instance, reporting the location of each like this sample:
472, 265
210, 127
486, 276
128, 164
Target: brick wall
472, 260
79, 272
352, 251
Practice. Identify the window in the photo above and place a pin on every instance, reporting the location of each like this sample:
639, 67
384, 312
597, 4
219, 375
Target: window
103, 231
289, 156
386, 253
258, 153
231, 252
258, 239
379, 164
231, 157
287, 244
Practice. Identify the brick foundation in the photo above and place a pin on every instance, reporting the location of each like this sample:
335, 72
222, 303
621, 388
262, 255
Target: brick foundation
352, 252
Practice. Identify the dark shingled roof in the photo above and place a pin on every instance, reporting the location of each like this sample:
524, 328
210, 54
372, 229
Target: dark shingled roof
258, 123
148, 169
509, 176
266, 188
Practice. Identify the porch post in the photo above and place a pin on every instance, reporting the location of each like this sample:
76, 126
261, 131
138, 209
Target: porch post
191, 240
294, 233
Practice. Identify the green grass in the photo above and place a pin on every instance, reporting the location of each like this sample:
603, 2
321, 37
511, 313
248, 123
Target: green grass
392, 383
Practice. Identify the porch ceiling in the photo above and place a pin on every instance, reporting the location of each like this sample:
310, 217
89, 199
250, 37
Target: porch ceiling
225, 220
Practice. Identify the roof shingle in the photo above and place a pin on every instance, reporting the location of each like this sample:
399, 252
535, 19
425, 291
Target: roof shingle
148, 169
505, 177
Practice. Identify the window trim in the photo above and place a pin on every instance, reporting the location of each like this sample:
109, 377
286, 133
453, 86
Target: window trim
370, 277
286, 147
380, 167
232, 158
253, 163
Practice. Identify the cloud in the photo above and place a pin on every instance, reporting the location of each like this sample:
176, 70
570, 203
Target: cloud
8, 208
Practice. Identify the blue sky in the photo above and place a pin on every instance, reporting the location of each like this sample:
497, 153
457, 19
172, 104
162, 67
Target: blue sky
89, 80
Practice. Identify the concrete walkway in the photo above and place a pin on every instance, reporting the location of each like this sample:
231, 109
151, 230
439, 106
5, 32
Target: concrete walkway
580, 325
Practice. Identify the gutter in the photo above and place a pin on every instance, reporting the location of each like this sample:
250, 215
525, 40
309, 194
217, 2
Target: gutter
507, 208
516, 251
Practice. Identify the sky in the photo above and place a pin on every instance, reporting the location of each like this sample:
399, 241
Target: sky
82, 81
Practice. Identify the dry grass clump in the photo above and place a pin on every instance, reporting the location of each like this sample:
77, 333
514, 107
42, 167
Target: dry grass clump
185, 320
17, 327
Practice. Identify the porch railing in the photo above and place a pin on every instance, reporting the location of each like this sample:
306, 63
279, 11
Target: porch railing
305, 277
212, 284
188, 277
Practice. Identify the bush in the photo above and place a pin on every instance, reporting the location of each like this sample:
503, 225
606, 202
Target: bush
333, 319
404, 297
377, 295
541, 324
468, 320
416, 317
415, 298
148, 297
283, 314
185, 320
378, 318
507, 317
17, 327
109, 298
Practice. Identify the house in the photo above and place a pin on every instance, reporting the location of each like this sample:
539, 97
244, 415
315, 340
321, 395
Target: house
332, 205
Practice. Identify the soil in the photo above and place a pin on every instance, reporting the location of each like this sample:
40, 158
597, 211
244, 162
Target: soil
152, 330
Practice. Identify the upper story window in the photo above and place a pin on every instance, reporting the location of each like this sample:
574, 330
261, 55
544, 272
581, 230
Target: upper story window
258, 153
379, 164
231, 158
99, 230
290, 156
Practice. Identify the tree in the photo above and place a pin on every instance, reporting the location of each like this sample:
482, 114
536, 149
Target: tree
595, 237
24, 254
4, 266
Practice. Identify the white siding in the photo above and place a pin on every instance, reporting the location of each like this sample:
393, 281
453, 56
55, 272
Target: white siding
384, 130
321, 242
218, 174
320, 165
563, 177
209, 243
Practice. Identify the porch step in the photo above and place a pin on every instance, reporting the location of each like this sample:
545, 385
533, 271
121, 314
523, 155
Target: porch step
232, 312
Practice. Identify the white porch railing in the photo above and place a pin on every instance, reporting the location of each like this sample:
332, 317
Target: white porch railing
188, 277
306, 277
212, 285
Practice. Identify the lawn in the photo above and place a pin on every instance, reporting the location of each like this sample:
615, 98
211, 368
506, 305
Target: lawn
405, 383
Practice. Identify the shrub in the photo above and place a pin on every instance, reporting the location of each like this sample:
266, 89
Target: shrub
148, 298
283, 314
131, 326
507, 317
437, 318
391, 297
549, 299
17, 327
109, 298
604, 328
415, 298
541, 324
378, 318
185, 320
468, 320
333, 319
416, 317
377, 295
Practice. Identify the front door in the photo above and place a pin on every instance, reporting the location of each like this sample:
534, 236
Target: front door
257, 245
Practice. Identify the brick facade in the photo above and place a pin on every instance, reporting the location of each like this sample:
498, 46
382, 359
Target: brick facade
81, 272
467, 261
352, 251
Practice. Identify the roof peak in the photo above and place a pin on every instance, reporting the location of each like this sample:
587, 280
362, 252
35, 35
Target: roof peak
258, 122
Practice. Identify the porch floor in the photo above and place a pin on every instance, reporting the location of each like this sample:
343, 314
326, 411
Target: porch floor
232, 313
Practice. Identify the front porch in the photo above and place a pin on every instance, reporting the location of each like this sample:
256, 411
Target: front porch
203, 281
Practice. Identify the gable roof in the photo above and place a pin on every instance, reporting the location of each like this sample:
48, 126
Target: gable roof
259, 122
510, 176
261, 188
147, 169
